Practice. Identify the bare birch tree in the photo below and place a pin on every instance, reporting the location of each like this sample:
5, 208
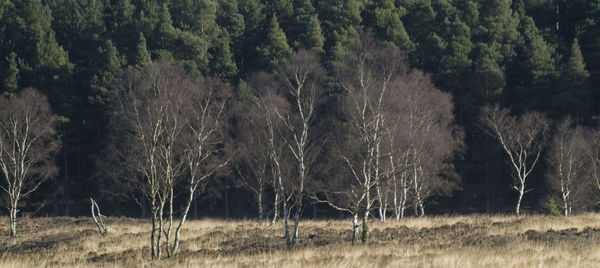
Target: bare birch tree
301, 79
368, 74
522, 138
344, 186
397, 167
254, 157
592, 137
377, 144
567, 161
261, 144
204, 138
27, 146
431, 138
169, 127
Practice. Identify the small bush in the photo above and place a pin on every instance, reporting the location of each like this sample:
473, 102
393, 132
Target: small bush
553, 208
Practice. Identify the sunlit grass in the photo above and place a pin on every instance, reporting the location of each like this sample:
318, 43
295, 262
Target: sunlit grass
439, 241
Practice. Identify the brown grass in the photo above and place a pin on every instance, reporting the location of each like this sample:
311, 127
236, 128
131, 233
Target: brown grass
469, 241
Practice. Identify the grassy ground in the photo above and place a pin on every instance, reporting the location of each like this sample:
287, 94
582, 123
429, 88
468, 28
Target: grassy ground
473, 241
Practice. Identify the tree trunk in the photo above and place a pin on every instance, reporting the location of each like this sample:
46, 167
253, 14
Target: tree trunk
354, 228
260, 204
170, 228
521, 192
385, 205
183, 218
285, 207
296, 222
13, 218
403, 199
380, 202
565, 205
299, 199
395, 200
153, 238
285, 222
365, 230
419, 210
275, 207
160, 229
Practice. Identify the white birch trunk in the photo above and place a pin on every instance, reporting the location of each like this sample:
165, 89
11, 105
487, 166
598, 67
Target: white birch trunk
354, 228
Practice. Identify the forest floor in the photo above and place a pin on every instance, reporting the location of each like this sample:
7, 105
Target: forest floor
458, 241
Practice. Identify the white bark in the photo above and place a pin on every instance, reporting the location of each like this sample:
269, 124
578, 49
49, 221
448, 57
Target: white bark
354, 228
98, 220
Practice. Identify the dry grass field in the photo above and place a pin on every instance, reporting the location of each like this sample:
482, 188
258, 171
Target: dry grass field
473, 241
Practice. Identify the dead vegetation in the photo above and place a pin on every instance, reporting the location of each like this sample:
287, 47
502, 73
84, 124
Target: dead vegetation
430, 241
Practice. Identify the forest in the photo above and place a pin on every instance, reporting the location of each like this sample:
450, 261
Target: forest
298, 109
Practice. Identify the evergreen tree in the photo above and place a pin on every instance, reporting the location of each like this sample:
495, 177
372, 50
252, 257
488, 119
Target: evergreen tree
303, 16
147, 18
165, 32
488, 81
222, 64
229, 18
110, 68
456, 63
385, 18
573, 95
254, 20
313, 38
27, 27
120, 17
340, 19
283, 9
531, 72
539, 53
142, 57
469, 10
575, 70
196, 16
275, 48
11, 79
500, 28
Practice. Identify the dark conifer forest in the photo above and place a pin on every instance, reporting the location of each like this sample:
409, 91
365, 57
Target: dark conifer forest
300, 108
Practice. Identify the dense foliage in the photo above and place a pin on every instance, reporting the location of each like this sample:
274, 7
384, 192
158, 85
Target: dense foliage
541, 55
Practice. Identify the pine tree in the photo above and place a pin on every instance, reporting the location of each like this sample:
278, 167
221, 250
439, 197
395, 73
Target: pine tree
340, 20
573, 95
574, 70
11, 79
165, 32
314, 39
254, 34
469, 11
283, 9
456, 63
500, 25
385, 18
222, 64
142, 57
110, 68
28, 32
275, 48
538, 52
488, 81
229, 17
303, 14
196, 16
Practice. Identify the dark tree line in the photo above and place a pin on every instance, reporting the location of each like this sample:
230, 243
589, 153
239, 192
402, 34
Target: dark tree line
526, 56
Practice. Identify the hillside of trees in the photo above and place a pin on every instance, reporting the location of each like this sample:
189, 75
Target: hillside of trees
312, 108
